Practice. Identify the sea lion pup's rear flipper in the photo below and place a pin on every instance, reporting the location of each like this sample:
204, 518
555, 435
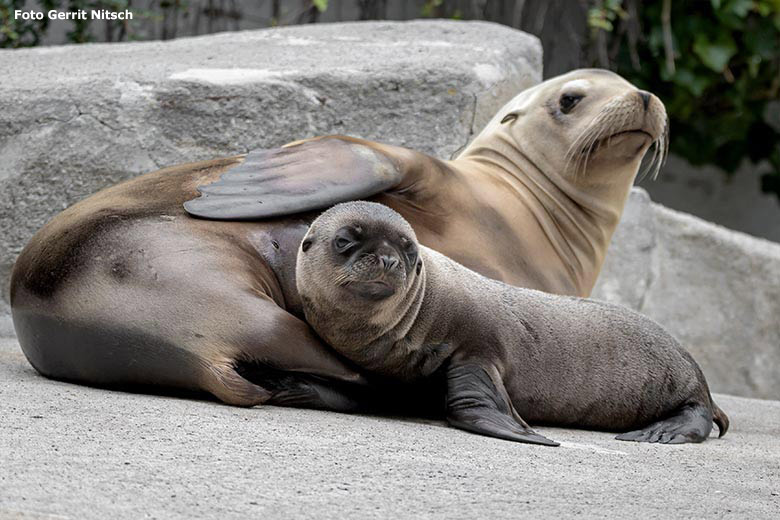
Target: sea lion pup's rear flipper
475, 404
311, 174
691, 423
720, 418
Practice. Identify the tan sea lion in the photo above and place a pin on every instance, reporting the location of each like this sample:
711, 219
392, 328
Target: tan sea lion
125, 288
405, 311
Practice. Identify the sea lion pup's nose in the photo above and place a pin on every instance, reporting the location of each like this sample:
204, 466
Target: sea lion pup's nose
645, 98
388, 262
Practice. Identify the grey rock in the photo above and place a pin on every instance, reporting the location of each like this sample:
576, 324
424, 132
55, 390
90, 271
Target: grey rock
69, 451
716, 290
734, 201
75, 119
627, 270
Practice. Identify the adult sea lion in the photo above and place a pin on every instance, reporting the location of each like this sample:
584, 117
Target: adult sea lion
403, 310
126, 288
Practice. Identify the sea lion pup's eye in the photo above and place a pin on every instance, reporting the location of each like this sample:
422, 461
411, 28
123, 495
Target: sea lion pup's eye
305, 245
345, 239
569, 101
341, 243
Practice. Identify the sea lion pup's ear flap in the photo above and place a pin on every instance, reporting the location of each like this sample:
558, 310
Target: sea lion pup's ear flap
301, 176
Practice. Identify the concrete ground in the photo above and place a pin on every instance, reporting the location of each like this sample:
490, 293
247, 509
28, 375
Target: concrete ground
68, 451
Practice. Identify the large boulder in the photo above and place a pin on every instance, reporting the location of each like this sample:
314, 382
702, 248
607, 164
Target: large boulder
75, 119
716, 290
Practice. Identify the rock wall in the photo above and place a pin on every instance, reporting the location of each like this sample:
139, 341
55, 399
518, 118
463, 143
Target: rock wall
716, 290
75, 119
735, 201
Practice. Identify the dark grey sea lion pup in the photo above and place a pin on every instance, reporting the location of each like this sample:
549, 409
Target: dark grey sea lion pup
510, 354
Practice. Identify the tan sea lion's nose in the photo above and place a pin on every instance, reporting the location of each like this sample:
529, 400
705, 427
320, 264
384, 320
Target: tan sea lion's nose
645, 98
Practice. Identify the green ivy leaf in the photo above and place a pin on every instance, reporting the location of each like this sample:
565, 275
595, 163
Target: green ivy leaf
715, 54
321, 5
695, 84
762, 39
740, 8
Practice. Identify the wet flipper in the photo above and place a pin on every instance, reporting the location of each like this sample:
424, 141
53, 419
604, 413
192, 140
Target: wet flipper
302, 176
691, 423
474, 403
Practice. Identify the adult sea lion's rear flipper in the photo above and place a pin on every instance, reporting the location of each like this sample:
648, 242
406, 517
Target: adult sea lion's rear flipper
308, 175
475, 404
304, 390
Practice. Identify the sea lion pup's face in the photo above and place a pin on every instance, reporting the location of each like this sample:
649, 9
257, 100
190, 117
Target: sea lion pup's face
359, 259
587, 126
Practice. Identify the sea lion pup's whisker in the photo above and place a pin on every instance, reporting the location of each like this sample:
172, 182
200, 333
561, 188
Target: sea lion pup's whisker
343, 278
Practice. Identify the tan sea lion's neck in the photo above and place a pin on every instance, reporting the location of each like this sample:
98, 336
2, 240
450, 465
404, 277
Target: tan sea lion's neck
576, 221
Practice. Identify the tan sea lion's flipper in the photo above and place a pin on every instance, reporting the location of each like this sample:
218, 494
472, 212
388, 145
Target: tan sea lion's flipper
313, 174
475, 404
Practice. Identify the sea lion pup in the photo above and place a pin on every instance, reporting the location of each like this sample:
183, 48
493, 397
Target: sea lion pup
403, 310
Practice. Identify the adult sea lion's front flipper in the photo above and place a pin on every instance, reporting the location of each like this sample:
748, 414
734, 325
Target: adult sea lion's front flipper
308, 175
475, 404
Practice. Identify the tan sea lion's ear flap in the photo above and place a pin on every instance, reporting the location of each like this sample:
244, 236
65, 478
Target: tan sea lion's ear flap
302, 176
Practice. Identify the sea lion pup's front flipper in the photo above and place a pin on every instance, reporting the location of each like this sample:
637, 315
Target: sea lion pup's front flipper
311, 174
474, 403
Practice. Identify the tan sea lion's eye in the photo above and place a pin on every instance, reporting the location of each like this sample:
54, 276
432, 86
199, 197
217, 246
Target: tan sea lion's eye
569, 101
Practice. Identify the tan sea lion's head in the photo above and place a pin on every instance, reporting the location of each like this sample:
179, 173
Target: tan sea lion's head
588, 127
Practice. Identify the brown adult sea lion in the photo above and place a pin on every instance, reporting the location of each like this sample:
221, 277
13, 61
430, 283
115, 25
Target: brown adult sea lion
126, 288
405, 311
